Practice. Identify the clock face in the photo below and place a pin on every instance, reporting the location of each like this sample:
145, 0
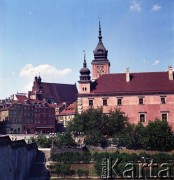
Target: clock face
100, 70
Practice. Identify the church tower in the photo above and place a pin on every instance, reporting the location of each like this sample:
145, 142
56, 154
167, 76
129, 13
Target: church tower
85, 79
100, 64
37, 89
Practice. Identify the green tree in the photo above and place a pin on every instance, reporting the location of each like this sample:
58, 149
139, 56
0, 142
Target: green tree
158, 136
66, 140
114, 123
139, 136
126, 137
43, 141
97, 126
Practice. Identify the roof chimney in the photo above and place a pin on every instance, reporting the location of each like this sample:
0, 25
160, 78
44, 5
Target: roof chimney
127, 75
170, 72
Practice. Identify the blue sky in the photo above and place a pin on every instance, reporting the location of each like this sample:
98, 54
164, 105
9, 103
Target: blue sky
49, 36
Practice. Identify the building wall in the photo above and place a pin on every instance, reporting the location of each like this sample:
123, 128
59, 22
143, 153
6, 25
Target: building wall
29, 118
64, 119
4, 115
84, 88
16, 161
95, 71
152, 106
44, 119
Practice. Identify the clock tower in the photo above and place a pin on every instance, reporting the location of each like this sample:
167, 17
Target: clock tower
100, 64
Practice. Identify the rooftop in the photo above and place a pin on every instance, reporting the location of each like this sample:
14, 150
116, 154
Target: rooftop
140, 83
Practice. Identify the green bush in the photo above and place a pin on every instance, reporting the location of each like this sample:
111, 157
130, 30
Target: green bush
71, 157
62, 169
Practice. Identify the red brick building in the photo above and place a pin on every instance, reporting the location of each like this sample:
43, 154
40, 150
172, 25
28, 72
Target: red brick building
44, 118
28, 117
53, 92
36, 113
141, 96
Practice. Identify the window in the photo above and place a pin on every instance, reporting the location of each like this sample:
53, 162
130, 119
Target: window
90, 102
163, 100
84, 88
164, 116
142, 118
119, 101
141, 101
105, 103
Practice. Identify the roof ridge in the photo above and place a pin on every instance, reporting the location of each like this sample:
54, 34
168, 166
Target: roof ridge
57, 83
135, 73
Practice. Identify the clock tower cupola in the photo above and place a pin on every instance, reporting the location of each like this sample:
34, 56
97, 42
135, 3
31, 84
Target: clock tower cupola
100, 64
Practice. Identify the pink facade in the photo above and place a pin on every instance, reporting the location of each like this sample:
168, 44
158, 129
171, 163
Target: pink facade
152, 107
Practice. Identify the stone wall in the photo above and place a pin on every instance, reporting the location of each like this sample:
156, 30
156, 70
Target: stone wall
16, 158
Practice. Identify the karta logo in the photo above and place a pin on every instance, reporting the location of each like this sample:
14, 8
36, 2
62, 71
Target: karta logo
140, 170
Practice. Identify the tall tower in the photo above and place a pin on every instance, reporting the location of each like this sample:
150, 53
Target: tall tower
84, 84
100, 64
37, 89
85, 79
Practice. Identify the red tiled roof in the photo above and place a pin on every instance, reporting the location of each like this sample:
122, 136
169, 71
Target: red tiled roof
72, 106
140, 83
67, 112
60, 92
71, 109
21, 98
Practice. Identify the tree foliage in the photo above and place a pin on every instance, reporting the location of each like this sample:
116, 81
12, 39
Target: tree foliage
62, 169
157, 135
58, 140
97, 126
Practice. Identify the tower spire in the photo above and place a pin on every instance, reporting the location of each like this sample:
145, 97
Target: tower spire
100, 62
100, 36
84, 62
